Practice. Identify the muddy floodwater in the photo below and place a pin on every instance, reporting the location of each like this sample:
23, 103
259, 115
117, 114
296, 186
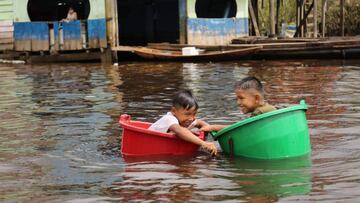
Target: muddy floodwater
60, 140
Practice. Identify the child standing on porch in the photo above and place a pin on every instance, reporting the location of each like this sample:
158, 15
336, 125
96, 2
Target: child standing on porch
71, 15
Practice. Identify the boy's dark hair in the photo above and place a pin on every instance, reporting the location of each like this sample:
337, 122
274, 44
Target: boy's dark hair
184, 99
250, 82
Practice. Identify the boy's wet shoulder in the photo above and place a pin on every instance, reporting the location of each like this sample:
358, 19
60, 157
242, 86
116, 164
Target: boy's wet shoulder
263, 109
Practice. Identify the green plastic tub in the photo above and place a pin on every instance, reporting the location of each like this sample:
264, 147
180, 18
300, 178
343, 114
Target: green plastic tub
274, 135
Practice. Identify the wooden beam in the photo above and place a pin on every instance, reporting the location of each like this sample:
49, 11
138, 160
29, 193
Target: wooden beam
342, 17
302, 10
315, 19
272, 17
277, 16
297, 16
303, 21
324, 5
253, 19
183, 16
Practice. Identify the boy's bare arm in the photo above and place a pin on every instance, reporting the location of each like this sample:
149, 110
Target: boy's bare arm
209, 128
187, 135
201, 123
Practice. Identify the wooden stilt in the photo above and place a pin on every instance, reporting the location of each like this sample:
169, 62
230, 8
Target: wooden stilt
253, 19
272, 17
324, 5
277, 17
315, 19
303, 21
302, 5
342, 17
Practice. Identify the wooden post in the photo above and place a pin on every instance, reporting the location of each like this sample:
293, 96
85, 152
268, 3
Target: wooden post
303, 21
342, 17
302, 10
277, 17
253, 19
272, 17
298, 19
117, 42
183, 21
315, 19
256, 10
324, 4
110, 25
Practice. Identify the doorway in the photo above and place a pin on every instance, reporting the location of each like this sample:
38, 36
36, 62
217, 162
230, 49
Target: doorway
39, 10
148, 21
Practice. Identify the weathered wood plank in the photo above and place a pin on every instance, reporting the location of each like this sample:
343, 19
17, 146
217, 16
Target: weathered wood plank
97, 33
40, 36
72, 35
253, 19
6, 23
6, 46
6, 29
22, 36
216, 31
6, 35
6, 40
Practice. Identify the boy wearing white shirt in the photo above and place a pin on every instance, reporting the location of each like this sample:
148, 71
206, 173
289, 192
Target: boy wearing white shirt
181, 119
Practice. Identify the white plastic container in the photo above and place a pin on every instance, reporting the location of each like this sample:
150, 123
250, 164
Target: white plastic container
189, 51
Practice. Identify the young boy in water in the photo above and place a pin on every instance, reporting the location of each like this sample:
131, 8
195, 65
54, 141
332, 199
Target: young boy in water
181, 119
250, 97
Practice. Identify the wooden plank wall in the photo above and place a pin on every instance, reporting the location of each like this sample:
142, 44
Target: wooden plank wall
6, 25
6, 35
97, 33
72, 35
6, 10
31, 36
40, 36
22, 36
215, 31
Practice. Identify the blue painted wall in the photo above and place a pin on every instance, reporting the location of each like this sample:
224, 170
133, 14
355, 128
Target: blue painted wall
34, 36
215, 31
72, 30
97, 33
31, 36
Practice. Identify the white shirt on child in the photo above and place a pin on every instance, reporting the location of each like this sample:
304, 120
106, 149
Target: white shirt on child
164, 123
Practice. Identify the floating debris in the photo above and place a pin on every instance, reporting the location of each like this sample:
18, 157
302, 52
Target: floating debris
12, 61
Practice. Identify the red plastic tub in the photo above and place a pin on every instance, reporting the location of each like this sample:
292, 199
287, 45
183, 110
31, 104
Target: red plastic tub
137, 140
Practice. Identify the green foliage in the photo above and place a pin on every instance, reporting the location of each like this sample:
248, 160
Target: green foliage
287, 14
352, 20
333, 28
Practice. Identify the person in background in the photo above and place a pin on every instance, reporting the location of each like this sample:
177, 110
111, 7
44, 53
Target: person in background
182, 118
71, 15
250, 98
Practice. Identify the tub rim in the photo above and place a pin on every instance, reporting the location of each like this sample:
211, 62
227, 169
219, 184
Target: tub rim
301, 106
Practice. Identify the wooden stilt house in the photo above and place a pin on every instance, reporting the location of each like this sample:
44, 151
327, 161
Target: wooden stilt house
37, 27
213, 22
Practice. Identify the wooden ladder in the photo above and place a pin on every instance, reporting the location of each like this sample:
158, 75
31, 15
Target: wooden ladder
311, 20
306, 19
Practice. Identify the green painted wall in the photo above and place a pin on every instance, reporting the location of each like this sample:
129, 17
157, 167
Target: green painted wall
242, 9
20, 11
6, 10
97, 9
191, 8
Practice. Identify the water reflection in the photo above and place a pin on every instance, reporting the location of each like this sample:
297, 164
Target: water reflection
60, 140
270, 180
186, 178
